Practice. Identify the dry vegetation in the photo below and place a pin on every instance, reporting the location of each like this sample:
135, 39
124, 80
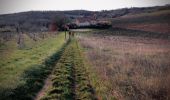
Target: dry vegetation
129, 68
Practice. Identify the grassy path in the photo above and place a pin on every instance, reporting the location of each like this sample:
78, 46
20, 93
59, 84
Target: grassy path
25, 71
70, 79
13, 65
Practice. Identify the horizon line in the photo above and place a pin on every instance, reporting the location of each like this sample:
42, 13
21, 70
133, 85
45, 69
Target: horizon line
82, 9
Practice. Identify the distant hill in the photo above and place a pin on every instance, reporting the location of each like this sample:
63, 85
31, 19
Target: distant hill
157, 21
40, 20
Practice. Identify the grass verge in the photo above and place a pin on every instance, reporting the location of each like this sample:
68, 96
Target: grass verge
21, 79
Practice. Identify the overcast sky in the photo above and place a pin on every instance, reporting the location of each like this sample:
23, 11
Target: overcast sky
12, 6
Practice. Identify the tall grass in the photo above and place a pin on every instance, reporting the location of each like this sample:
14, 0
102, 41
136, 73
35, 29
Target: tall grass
129, 68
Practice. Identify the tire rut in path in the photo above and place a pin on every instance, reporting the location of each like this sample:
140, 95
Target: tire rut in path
42, 92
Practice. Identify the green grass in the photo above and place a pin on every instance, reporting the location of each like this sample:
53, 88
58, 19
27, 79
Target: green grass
70, 79
18, 65
101, 87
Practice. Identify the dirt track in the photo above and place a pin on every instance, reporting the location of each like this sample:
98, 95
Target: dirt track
69, 79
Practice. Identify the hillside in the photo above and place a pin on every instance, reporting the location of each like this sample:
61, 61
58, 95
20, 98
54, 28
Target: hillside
41, 20
154, 22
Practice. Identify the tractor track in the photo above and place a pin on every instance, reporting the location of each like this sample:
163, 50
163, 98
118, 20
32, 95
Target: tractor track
69, 79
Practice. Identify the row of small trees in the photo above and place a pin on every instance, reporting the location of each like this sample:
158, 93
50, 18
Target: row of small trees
21, 28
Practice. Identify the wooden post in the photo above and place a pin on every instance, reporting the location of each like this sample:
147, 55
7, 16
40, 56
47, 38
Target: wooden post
66, 28
20, 40
65, 34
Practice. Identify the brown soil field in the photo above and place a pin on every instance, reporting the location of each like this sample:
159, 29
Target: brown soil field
156, 27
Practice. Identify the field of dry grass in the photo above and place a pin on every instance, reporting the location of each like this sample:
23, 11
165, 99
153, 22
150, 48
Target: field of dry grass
129, 68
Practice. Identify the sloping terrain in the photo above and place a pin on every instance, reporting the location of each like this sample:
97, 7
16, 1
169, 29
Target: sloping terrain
41, 20
152, 21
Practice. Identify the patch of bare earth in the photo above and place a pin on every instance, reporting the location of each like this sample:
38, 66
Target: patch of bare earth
43, 91
156, 27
